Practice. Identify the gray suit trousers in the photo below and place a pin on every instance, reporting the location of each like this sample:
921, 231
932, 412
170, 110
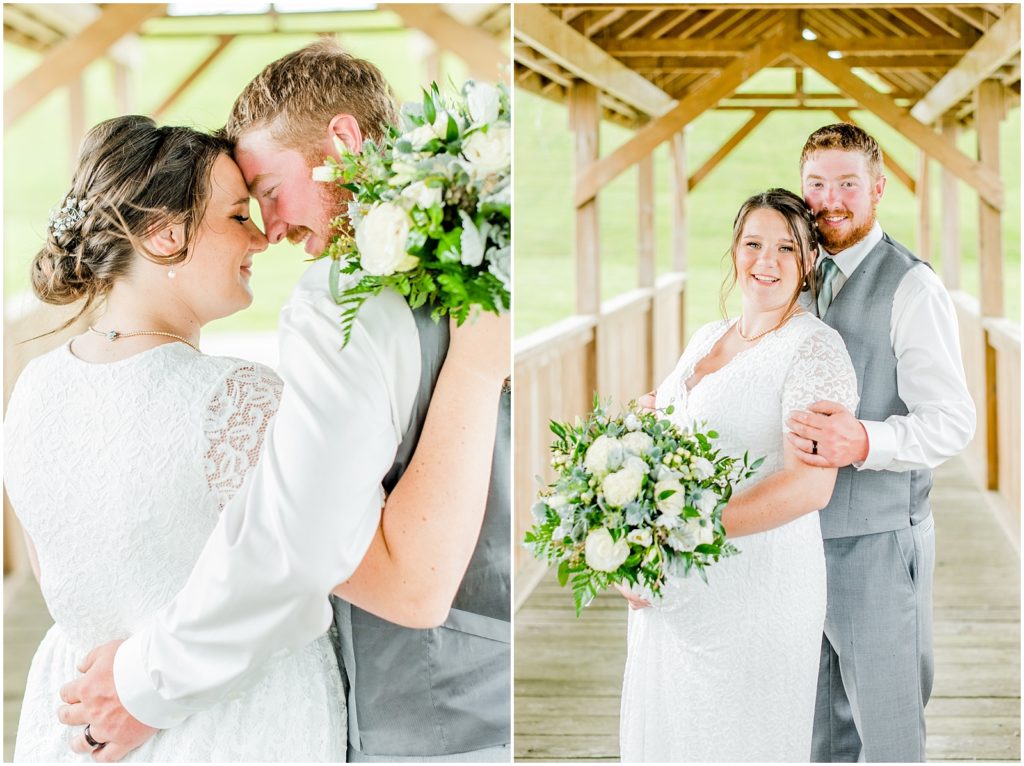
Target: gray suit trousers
876, 666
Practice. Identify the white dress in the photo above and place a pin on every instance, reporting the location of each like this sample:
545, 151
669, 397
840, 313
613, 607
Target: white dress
118, 472
727, 671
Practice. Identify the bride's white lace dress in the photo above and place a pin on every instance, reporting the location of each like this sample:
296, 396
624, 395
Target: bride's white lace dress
727, 671
118, 472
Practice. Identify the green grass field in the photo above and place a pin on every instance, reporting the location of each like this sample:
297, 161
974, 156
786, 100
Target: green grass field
544, 267
38, 165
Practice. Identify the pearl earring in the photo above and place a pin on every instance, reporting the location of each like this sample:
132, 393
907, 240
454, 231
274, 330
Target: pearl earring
171, 273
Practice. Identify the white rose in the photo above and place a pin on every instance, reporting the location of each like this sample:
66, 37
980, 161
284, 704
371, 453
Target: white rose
702, 469
673, 504
483, 103
637, 442
604, 554
641, 537
706, 503
634, 463
488, 152
422, 196
381, 240
622, 487
420, 136
632, 422
603, 455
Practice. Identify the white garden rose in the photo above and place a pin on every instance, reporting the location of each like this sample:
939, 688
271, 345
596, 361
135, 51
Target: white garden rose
484, 101
702, 469
420, 136
673, 504
381, 240
622, 487
632, 422
422, 196
488, 152
634, 463
604, 554
641, 537
603, 455
706, 503
637, 442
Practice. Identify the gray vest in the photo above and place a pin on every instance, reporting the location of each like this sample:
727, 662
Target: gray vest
447, 689
866, 502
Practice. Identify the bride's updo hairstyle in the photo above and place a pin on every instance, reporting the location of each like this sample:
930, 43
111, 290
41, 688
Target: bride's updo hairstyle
802, 226
133, 178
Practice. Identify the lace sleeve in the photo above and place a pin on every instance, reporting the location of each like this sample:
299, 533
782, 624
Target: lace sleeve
236, 422
821, 369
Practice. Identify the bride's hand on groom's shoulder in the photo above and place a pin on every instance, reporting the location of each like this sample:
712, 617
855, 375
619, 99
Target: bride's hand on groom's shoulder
92, 699
483, 346
635, 602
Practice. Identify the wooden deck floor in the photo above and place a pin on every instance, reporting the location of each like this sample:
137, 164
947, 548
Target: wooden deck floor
568, 672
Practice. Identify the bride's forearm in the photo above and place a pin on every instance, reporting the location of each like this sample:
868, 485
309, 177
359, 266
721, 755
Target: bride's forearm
779, 498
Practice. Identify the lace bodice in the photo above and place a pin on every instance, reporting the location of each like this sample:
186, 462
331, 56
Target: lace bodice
747, 401
119, 493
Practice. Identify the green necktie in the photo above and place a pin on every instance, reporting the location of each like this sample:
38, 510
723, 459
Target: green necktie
827, 272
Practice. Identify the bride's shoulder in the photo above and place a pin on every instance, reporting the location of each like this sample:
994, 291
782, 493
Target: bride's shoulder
230, 371
806, 326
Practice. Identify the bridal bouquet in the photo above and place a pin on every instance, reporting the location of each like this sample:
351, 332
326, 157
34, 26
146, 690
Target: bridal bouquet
430, 209
636, 499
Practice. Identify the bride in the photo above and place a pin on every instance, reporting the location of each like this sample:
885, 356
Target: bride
728, 671
123, 445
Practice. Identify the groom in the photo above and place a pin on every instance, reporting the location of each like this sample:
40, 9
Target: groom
309, 522
915, 412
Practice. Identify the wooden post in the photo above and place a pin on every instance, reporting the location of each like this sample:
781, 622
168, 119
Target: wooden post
646, 268
680, 188
924, 208
988, 114
123, 93
76, 121
949, 244
585, 122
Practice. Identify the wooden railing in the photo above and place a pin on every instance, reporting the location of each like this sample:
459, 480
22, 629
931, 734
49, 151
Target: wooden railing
621, 353
1004, 338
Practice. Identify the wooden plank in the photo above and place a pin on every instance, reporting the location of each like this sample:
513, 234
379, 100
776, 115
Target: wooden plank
690, 107
949, 242
983, 179
924, 208
887, 159
725, 149
645, 222
67, 60
585, 121
544, 32
484, 55
997, 46
222, 42
988, 115
679, 193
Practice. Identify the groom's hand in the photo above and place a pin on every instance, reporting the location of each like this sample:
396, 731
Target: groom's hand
828, 436
92, 699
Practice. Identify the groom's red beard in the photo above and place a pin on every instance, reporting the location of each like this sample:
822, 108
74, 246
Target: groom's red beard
834, 242
333, 203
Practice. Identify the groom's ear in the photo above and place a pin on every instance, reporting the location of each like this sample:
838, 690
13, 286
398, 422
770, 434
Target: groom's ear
345, 128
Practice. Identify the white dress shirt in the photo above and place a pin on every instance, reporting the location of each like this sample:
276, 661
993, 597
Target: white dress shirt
302, 522
929, 371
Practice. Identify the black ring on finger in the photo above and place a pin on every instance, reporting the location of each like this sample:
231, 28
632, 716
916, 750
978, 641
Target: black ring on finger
814, 447
88, 738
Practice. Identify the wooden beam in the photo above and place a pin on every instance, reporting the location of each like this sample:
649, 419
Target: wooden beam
124, 94
727, 147
866, 47
924, 208
645, 222
983, 179
201, 67
949, 242
989, 113
887, 159
484, 55
997, 46
679, 192
655, 132
67, 60
545, 32
76, 118
585, 119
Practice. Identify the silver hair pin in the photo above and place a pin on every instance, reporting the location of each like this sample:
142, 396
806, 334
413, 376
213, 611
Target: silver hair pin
68, 216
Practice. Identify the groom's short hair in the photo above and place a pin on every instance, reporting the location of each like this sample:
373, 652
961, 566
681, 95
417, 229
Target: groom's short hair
297, 95
848, 138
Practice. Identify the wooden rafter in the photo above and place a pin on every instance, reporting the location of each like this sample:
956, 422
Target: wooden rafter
724, 150
66, 60
657, 131
192, 76
545, 33
994, 49
986, 182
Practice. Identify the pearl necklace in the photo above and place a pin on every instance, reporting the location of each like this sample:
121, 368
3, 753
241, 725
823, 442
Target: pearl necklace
113, 335
789, 315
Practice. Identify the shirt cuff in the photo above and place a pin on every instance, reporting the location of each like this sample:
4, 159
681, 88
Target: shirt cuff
881, 446
138, 697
